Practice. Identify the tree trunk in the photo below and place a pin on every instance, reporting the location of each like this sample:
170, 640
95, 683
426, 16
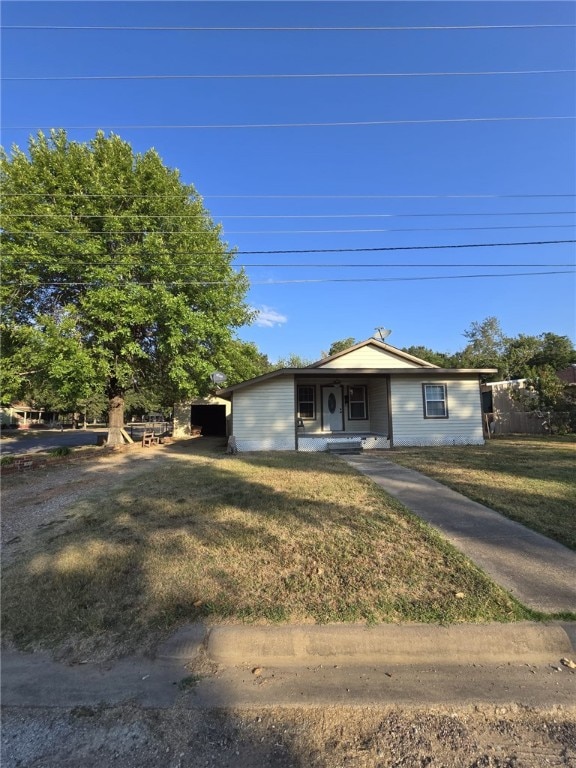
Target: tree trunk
116, 420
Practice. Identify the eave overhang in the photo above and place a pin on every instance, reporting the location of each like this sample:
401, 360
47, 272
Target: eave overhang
337, 374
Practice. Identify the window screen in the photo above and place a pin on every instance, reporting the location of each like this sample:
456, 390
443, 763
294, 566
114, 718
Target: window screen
435, 404
357, 406
306, 402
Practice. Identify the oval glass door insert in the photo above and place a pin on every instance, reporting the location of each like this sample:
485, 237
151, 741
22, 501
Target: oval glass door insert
331, 402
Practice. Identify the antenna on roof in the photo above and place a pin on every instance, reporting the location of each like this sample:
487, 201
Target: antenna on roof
383, 333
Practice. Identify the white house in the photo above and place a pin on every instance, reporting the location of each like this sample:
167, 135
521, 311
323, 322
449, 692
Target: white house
371, 395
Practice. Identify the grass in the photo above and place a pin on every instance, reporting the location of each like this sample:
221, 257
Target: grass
528, 479
281, 537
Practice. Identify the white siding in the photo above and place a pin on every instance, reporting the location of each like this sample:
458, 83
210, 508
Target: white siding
370, 357
378, 406
263, 416
463, 425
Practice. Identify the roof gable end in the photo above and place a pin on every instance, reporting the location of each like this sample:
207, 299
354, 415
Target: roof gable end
375, 350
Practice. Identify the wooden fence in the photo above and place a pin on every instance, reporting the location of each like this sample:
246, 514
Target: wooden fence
521, 422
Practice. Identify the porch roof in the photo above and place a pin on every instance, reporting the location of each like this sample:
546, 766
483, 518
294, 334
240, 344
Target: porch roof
341, 373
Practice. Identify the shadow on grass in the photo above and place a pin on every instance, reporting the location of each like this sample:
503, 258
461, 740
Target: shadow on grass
256, 537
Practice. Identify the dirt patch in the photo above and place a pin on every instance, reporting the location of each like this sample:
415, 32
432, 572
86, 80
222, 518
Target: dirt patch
32, 500
287, 738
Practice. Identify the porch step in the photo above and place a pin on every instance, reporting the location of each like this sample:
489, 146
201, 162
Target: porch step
344, 446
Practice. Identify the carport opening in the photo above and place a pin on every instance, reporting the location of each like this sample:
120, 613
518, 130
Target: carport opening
212, 419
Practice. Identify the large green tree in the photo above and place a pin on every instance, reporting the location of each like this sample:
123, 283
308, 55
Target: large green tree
486, 345
114, 279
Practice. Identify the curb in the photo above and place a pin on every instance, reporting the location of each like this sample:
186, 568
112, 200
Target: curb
419, 644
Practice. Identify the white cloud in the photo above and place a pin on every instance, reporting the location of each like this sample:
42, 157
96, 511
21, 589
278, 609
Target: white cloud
267, 317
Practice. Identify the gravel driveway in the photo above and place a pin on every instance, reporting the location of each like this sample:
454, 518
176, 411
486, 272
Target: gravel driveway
36, 498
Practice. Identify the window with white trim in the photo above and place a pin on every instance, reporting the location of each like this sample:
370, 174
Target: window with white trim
307, 402
435, 399
357, 404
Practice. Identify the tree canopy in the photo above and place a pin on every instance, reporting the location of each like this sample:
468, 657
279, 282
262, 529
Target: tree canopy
115, 278
515, 357
339, 346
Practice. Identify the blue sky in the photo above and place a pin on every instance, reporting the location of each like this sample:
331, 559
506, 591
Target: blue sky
340, 187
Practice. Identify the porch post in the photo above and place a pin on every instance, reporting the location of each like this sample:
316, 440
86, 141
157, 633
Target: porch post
295, 412
389, 400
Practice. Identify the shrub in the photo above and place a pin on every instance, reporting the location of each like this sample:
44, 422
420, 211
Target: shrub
63, 450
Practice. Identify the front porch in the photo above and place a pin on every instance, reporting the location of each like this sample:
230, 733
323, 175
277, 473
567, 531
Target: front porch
331, 441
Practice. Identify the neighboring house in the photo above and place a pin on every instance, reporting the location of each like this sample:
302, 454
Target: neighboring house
501, 396
512, 406
568, 375
372, 395
24, 415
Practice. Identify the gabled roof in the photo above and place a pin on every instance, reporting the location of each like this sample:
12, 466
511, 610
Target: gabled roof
320, 369
394, 351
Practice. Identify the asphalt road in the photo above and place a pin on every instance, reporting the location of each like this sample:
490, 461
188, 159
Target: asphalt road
32, 441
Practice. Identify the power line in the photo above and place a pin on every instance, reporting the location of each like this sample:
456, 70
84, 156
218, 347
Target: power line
293, 75
226, 232
405, 279
335, 124
420, 28
333, 265
203, 216
406, 247
81, 196
391, 229
396, 266
371, 197
285, 282
356, 250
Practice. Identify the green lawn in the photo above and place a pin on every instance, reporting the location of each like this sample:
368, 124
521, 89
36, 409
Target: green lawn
279, 537
529, 479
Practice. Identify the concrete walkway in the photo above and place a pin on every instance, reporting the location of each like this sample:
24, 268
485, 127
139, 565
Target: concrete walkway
537, 571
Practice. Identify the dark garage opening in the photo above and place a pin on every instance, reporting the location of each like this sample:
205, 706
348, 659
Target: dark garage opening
212, 419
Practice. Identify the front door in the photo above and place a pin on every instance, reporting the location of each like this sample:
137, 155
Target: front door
332, 416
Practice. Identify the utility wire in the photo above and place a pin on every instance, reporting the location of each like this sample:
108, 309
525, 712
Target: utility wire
355, 250
391, 229
420, 28
121, 263
203, 216
397, 266
372, 197
355, 123
294, 76
81, 196
226, 232
285, 282
406, 247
